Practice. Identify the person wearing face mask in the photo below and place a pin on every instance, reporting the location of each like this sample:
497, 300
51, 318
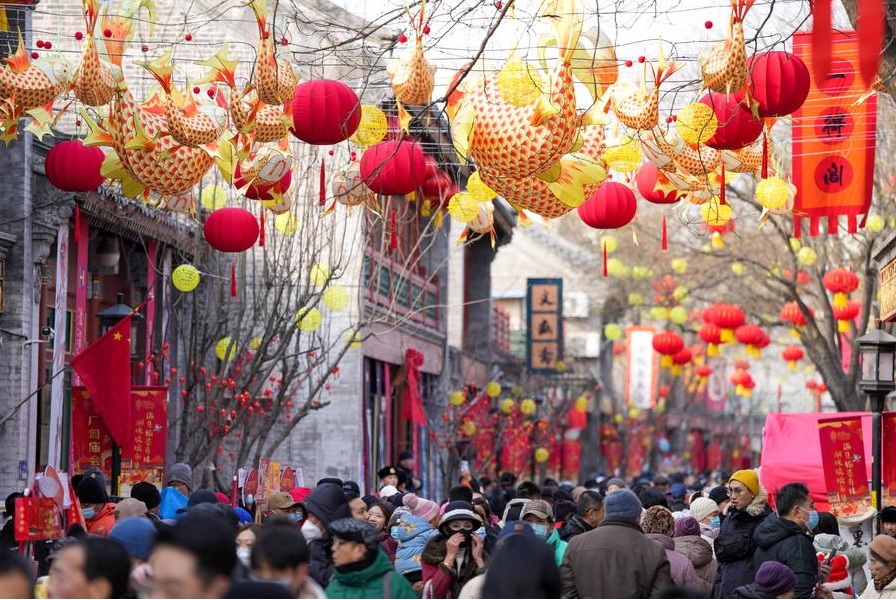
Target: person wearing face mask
414, 526
99, 513
455, 555
282, 505
245, 540
540, 516
706, 513
325, 504
280, 555
786, 537
883, 568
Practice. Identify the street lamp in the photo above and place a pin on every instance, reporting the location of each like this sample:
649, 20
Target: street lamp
877, 351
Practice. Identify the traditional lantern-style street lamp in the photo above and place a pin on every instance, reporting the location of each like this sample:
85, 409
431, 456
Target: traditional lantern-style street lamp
877, 358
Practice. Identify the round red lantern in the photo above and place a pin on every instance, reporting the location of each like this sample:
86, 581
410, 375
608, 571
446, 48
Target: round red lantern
703, 371
778, 81
654, 186
742, 364
73, 167
841, 283
728, 317
738, 127
393, 168
681, 358
846, 314
792, 354
791, 313
231, 229
667, 344
438, 185
612, 206
752, 337
711, 334
325, 112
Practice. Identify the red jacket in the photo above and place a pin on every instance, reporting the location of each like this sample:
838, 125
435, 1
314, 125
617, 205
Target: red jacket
104, 520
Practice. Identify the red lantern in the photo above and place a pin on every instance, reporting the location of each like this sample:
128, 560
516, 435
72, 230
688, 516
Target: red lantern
752, 337
612, 206
738, 127
231, 230
841, 283
791, 313
711, 334
742, 363
73, 167
779, 82
325, 112
437, 185
667, 344
792, 354
728, 317
846, 314
654, 186
393, 168
703, 371
681, 358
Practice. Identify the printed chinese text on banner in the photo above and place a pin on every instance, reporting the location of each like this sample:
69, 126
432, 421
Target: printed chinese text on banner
845, 474
833, 140
544, 330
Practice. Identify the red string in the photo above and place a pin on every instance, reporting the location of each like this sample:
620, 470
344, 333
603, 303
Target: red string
606, 271
764, 155
261, 229
393, 237
665, 242
233, 279
722, 187
323, 183
77, 235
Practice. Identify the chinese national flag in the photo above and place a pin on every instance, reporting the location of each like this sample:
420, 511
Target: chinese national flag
105, 369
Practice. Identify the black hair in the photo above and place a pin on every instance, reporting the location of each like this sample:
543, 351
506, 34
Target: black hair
589, 500
387, 512
281, 547
652, 497
210, 540
105, 558
535, 574
460, 492
547, 493
528, 489
790, 496
11, 503
590, 483
12, 562
827, 523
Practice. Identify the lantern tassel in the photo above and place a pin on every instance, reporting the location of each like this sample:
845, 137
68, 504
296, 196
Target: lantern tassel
77, 236
606, 271
764, 155
323, 184
233, 279
393, 236
261, 229
665, 242
722, 185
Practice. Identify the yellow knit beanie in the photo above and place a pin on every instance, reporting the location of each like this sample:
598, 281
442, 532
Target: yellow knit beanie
749, 478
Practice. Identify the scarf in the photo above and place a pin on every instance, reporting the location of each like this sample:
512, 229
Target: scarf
881, 582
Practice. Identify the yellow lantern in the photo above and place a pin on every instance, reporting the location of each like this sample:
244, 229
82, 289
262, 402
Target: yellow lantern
875, 223
633, 413
635, 299
185, 278
372, 128
678, 315
680, 293
457, 398
795, 244
609, 243
519, 83
542, 454
469, 428
225, 349
773, 193
617, 269
581, 404
255, 343
308, 320
319, 275
336, 298
696, 123
623, 154
478, 189
642, 272
612, 332
738, 268
659, 313
507, 406
715, 213
527, 406
213, 197
463, 207
286, 223
493, 389
560, 366
806, 256
618, 419
516, 390
716, 242
679, 265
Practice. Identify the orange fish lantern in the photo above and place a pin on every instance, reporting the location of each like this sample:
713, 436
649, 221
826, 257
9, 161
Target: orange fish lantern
266, 176
638, 108
94, 82
275, 79
348, 187
325, 112
412, 76
596, 65
725, 67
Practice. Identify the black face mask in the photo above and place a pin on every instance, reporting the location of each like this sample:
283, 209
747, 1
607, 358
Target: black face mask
468, 535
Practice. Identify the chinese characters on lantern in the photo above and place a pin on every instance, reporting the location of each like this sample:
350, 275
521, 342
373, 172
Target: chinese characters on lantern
544, 334
843, 457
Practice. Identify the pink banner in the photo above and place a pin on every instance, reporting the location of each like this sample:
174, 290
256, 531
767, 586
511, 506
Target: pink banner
888, 460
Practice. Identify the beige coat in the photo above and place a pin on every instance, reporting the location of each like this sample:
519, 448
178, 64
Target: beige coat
889, 591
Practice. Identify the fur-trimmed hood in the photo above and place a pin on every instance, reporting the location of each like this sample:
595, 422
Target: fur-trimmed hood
759, 504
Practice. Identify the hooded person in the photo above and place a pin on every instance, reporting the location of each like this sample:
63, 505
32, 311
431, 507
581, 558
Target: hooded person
882, 555
362, 569
180, 477
734, 546
659, 525
773, 580
98, 512
326, 503
689, 542
455, 555
412, 529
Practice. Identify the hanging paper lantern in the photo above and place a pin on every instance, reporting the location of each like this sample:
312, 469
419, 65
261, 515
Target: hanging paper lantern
519, 83
806, 256
680, 293
716, 214
286, 223
841, 283
542, 455
73, 167
791, 313
679, 359
185, 278
616, 268
774, 193
653, 185
393, 168
622, 154
484, 222
792, 354
696, 123
635, 299
457, 398
667, 344
737, 126
319, 275
658, 313
875, 223
728, 317
846, 314
642, 272
308, 320
678, 315
711, 334
213, 197
325, 112
528, 406
679, 265
508, 406
469, 428
336, 298
612, 206
612, 332
738, 268
225, 349
231, 230
478, 189
778, 82
493, 389
372, 128
348, 188
265, 176
463, 207
703, 372
752, 337
438, 186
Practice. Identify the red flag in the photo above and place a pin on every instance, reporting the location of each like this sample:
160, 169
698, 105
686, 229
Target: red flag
105, 369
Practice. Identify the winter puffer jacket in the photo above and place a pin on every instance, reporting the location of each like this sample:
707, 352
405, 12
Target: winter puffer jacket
682, 570
574, 526
370, 582
699, 552
558, 546
412, 533
735, 547
783, 540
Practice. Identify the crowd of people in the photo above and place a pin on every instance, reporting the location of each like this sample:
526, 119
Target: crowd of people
608, 538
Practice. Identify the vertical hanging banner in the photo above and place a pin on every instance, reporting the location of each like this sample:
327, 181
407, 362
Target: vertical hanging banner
544, 328
640, 367
843, 458
888, 462
833, 140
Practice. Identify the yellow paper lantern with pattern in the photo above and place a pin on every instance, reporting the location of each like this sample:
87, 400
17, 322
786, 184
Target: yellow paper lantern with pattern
308, 320
507, 406
542, 455
618, 419
478, 189
773, 193
457, 398
795, 244
225, 349
372, 128
463, 207
493, 389
696, 123
185, 278
612, 332
806, 256
633, 413
286, 223
336, 298
875, 223
528, 406
213, 197
319, 275
623, 154
715, 213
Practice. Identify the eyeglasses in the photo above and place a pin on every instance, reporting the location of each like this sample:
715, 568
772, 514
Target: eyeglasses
732, 492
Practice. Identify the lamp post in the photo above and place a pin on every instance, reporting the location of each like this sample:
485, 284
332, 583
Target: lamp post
877, 351
109, 318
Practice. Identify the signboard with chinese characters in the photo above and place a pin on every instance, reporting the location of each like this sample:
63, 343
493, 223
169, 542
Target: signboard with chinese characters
888, 460
92, 442
888, 291
640, 367
544, 331
843, 457
833, 140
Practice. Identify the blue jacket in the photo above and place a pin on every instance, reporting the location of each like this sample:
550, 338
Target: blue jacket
412, 533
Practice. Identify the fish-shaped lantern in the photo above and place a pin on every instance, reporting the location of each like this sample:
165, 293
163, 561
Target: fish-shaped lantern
412, 76
94, 83
725, 67
275, 81
637, 108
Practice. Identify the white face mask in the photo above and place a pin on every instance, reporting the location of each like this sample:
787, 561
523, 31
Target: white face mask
310, 531
244, 554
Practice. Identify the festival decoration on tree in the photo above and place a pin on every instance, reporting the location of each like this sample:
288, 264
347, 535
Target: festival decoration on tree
840, 282
753, 337
412, 76
711, 334
275, 81
679, 359
737, 126
846, 314
393, 168
637, 108
728, 317
348, 187
372, 128
612, 206
265, 175
231, 230
791, 313
724, 68
94, 80
743, 382
185, 278
779, 82
792, 354
308, 319
72, 167
667, 344
696, 123
325, 112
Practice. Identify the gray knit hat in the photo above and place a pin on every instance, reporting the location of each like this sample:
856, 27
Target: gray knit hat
181, 472
623, 505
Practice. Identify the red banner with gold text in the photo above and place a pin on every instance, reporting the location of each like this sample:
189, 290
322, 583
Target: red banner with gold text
843, 459
888, 462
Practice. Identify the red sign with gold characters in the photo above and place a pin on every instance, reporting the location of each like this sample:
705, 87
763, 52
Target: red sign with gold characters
843, 458
833, 140
92, 442
888, 462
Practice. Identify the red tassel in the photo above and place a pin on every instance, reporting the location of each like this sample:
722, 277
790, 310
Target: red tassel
764, 155
722, 186
233, 279
261, 229
606, 271
821, 39
323, 183
665, 241
393, 237
871, 32
77, 235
